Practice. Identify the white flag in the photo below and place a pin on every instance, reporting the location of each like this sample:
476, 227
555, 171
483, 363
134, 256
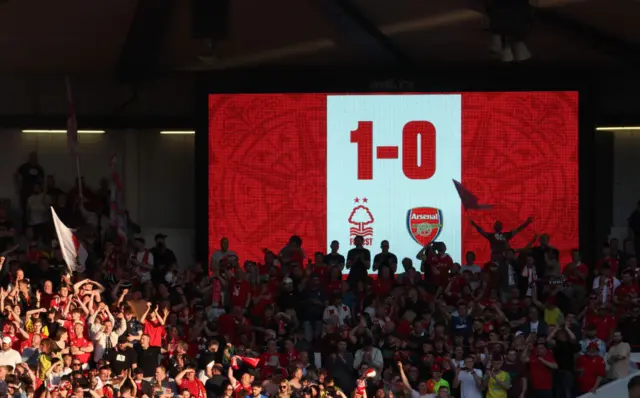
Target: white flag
74, 254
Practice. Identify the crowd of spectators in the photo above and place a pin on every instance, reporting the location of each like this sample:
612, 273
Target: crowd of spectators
136, 323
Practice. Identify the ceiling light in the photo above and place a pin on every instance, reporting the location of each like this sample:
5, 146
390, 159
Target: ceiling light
62, 131
186, 132
628, 128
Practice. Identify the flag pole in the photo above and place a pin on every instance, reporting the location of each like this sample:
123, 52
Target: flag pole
79, 178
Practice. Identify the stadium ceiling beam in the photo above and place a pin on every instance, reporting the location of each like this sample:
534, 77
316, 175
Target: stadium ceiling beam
621, 50
353, 25
140, 52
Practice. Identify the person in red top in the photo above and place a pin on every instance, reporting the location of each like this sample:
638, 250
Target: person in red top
383, 285
541, 367
186, 380
607, 259
627, 294
262, 297
242, 387
441, 264
605, 322
576, 273
271, 358
453, 291
72, 319
154, 325
319, 268
591, 369
46, 296
81, 348
235, 327
240, 290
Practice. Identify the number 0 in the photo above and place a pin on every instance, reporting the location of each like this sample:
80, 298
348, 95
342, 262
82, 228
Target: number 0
419, 150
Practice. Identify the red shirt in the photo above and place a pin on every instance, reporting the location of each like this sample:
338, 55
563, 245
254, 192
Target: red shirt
81, 342
259, 306
581, 269
592, 366
334, 287
612, 262
156, 332
232, 328
589, 317
604, 325
266, 357
240, 291
242, 392
624, 293
541, 375
444, 264
403, 328
195, 387
382, 287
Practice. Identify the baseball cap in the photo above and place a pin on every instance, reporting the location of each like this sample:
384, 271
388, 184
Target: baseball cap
160, 236
519, 333
122, 339
6, 340
287, 280
436, 368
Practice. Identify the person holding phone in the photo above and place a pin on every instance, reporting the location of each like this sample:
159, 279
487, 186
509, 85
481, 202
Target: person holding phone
468, 379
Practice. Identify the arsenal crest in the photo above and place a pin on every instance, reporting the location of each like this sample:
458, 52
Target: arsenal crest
424, 224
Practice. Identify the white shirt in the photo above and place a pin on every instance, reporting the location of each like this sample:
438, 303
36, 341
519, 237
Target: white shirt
533, 326
605, 288
219, 255
340, 311
468, 386
145, 275
512, 278
475, 269
10, 357
38, 206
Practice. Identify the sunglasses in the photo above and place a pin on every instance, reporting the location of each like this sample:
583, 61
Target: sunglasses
76, 364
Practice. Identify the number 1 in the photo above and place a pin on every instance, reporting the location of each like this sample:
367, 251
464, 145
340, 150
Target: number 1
363, 136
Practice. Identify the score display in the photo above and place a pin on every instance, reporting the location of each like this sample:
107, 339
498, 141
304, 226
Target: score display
331, 167
418, 145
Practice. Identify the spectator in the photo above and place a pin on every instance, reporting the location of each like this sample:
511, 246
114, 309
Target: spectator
469, 379
591, 369
9, 356
27, 177
633, 387
358, 262
618, 357
541, 364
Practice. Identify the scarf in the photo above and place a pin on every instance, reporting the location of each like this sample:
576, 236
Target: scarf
608, 284
216, 294
530, 274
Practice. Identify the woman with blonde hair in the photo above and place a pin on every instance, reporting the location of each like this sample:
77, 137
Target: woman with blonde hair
49, 353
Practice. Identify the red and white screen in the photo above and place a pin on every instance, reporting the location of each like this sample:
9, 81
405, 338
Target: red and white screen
334, 166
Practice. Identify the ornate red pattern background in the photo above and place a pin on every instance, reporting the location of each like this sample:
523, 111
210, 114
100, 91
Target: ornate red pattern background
267, 168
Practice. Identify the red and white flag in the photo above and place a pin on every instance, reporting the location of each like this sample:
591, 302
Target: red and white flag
74, 254
72, 124
117, 211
